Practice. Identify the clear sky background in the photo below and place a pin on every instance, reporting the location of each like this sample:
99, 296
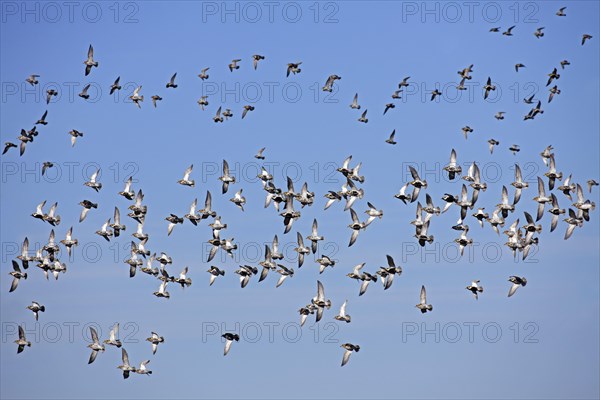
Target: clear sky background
549, 341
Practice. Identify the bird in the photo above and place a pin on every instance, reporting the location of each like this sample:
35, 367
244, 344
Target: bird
488, 87
173, 220
105, 232
245, 272
42, 121
363, 118
366, 278
182, 279
226, 179
417, 183
203, 102
423, 306
259, 155
355, 105
465, 72
93, 183
214, 273
136, 97
46, 165
387, 273
185, 181
404, 83
591, 183
229, 338
453, 168
373, 213
155, 339
87, 206
69, 242
475, 288
563, 63
285, 273
463, 241
519, 65
115, 86
301, 249
246, 109
32, 79
539, 32
305, 311
49, 94
289, 214
390, 140
142, 370
74, 135
320, 302
348, 349
17, 276
234, 65
51, 218
499, 115
203, 75
516, 282
519, 184
8, 146
556, 211
552, 75
529, 100
324, 262
388, 106
96, 346
227, 114
127, 192
89, 63
492, 142
155, 98
84, 93
294, 68
434, 94
314, 237
329, 83
125, 366
495, 29
22, 340
573, 221
585, 37
255, 59
239, 200
553, 90
561, 12
541, 199
342, 316
162, 290
113, 337
171, 83
552, 173
508, 32
356, 226
514, 148
505, 206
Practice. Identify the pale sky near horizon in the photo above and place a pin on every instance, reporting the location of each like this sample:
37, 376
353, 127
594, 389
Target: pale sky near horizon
541, 343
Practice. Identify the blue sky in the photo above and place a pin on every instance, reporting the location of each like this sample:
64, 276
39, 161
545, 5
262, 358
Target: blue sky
549, 341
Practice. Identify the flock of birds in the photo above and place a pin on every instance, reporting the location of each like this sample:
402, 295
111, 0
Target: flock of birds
520, 237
